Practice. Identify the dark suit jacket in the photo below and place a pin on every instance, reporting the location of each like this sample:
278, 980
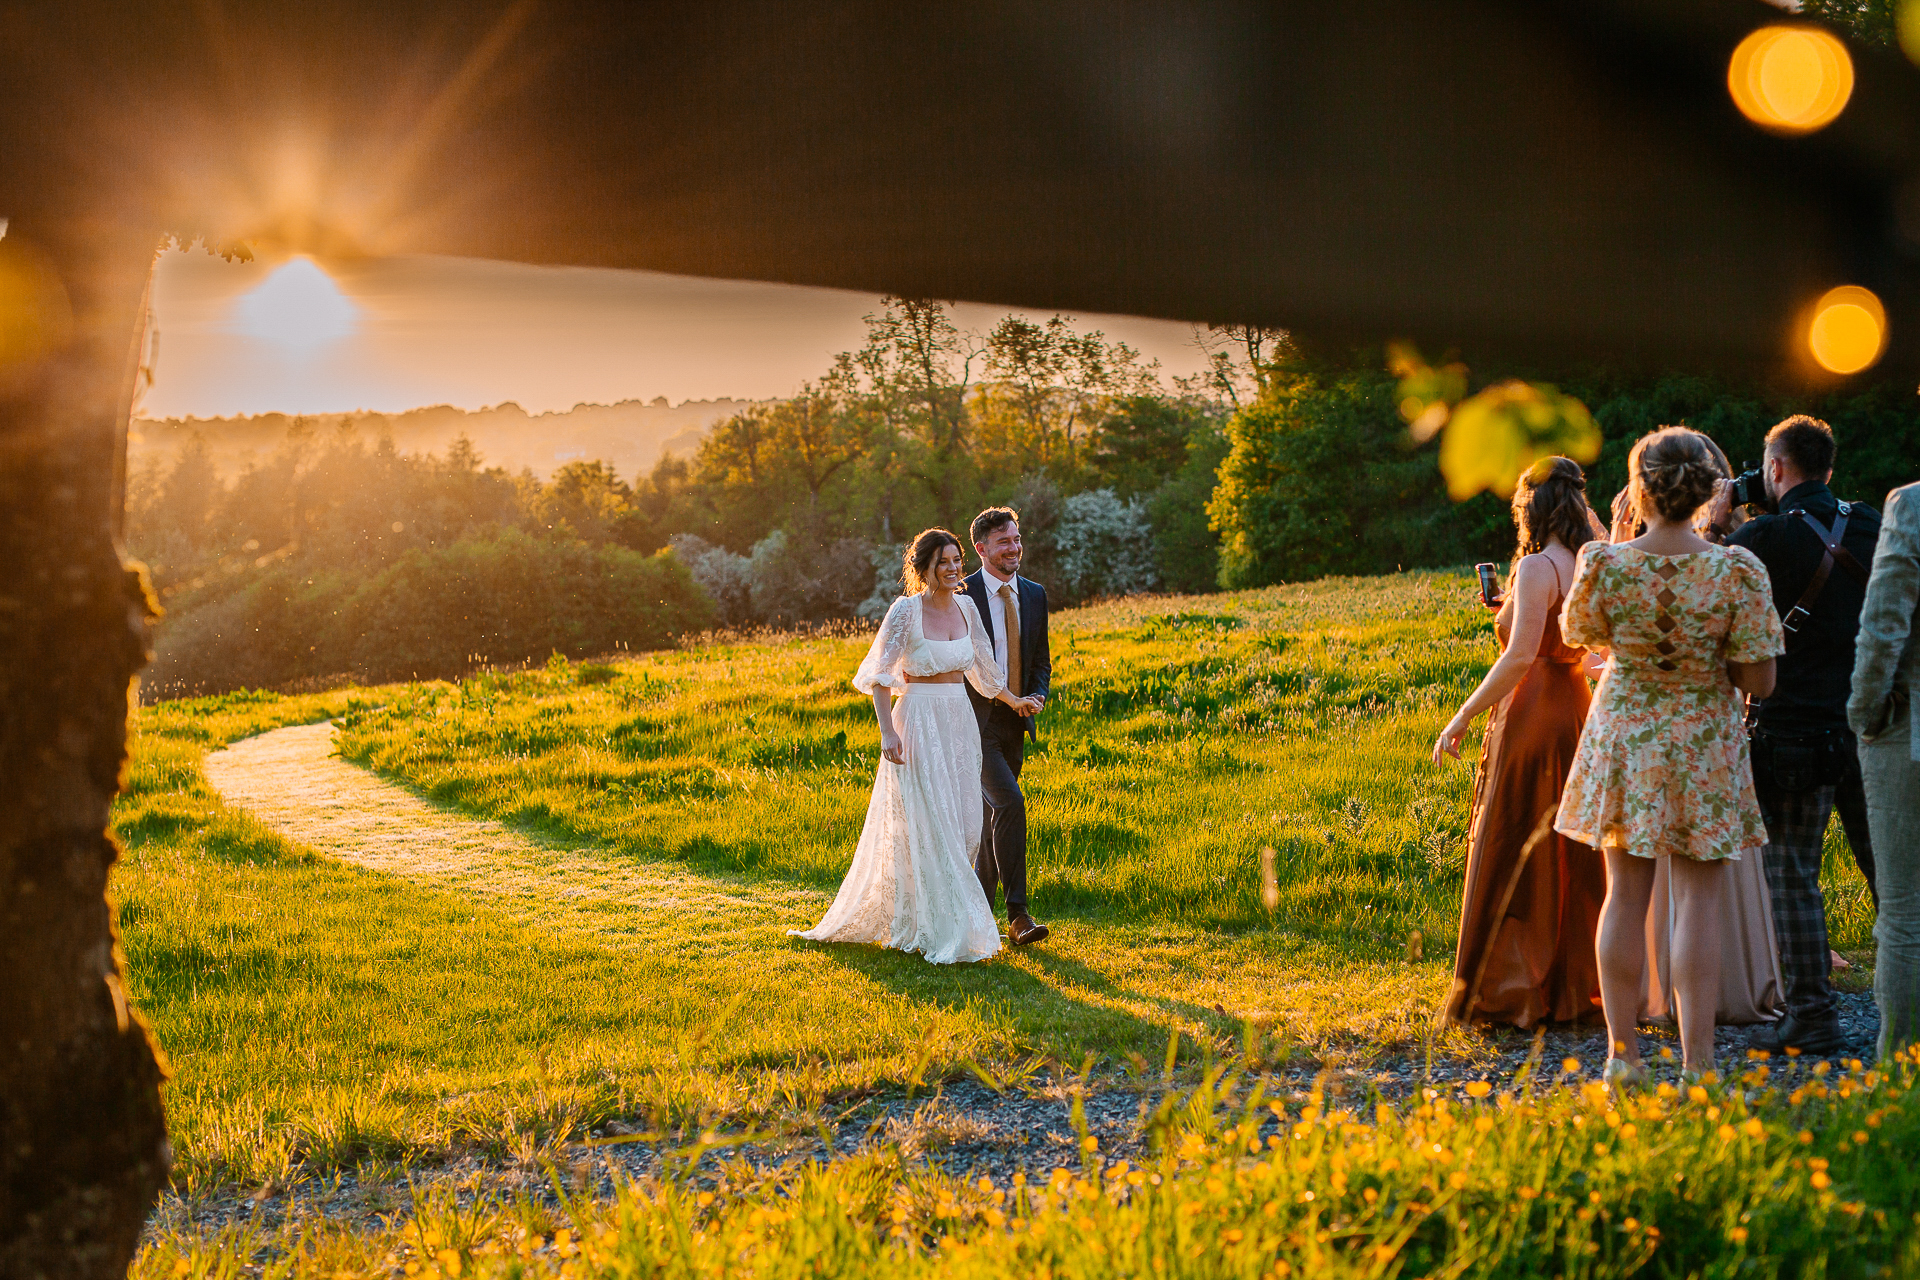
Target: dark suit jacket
1036, 659
1814, 676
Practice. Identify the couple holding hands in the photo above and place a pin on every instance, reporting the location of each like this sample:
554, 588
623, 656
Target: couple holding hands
967, 657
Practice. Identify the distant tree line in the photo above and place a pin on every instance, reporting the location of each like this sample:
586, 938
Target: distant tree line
340, 555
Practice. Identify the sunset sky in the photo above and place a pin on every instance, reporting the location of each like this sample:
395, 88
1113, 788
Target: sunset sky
391, 334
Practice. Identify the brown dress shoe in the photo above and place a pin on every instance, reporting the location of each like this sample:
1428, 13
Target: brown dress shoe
1021, 930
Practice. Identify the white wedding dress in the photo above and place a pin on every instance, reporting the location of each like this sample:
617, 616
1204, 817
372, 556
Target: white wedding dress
912, 885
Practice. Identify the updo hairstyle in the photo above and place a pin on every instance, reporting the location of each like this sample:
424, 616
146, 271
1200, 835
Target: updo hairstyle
1671, 473
921, 553
1551, 502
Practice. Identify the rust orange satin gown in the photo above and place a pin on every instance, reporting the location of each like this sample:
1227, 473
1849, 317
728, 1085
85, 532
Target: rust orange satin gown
1527, 928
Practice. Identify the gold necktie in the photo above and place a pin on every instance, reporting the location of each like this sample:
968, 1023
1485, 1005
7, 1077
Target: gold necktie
1010, 614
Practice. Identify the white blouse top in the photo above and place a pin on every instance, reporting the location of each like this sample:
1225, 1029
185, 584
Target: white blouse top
902, 649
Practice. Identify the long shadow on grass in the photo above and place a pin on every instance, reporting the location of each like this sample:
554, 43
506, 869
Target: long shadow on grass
1045, 1006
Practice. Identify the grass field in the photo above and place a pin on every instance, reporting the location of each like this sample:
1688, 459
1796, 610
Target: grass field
320, 1016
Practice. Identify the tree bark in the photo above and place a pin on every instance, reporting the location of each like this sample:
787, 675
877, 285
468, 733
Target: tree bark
83, 1145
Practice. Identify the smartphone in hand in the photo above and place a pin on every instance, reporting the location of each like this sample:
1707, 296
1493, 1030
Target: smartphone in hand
1489, 585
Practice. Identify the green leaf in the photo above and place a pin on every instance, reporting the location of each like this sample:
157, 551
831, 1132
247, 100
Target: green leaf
1495, 435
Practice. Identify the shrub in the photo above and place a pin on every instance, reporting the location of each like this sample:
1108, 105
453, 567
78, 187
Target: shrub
799, 579
1186, 551
726, 576
1105, 546
1318, 480
784, 580
888, 581
505, 598
1320, 477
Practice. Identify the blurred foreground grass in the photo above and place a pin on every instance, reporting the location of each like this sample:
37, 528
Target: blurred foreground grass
1757, 1176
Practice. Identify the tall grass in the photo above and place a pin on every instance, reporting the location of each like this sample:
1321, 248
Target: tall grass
320, 1016
1523, 1178
1180, 740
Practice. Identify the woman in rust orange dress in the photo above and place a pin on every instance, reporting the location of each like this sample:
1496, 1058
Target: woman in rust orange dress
1532, 896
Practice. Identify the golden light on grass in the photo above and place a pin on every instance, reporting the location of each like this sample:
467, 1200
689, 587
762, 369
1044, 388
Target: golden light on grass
298, 308
1790, 80
1848, 330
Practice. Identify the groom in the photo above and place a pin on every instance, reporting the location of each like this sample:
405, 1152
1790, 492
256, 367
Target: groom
1015, 613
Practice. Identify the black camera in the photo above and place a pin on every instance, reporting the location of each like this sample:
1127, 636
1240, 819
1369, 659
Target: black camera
1749, 489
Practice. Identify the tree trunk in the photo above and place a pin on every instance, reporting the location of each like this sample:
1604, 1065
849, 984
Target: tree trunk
83, 1145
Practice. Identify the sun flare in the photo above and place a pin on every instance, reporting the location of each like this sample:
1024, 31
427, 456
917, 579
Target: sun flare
298, 308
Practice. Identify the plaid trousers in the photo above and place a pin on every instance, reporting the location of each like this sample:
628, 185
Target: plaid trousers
1796, 826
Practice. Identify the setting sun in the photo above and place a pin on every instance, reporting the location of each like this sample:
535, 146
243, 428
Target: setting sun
298, 308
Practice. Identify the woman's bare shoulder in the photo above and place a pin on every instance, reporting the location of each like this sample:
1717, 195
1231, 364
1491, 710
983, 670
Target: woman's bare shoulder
1535, 569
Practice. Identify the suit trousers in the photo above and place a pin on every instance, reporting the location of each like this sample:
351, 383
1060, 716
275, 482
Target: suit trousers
1796, 829
1893, 807
1002, 860
1796, 814
1850, 802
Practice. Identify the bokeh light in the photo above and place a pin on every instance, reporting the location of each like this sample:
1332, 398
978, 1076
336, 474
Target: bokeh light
1906, 28
1791, 79
1849, 329
299, 308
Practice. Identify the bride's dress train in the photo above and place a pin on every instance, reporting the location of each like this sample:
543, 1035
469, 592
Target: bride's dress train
912, 885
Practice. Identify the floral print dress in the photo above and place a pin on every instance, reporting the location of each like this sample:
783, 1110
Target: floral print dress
1662, 766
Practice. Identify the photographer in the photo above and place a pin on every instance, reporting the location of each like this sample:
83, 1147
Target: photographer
1816, 550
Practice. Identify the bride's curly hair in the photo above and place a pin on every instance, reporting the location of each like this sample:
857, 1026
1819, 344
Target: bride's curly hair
1551, 502
921, 553
1672, 473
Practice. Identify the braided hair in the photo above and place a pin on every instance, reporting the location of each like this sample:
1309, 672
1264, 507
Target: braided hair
1551, 502
1672, 473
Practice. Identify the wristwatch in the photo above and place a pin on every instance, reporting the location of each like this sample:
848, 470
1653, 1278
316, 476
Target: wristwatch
1717, 532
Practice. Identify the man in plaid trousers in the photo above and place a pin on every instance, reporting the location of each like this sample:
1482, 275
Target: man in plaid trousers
1805, 760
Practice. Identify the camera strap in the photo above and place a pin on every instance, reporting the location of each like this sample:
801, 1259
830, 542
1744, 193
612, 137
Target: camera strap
1834, 552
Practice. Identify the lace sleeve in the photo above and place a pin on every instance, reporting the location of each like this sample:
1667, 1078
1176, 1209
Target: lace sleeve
985, 674
882, 666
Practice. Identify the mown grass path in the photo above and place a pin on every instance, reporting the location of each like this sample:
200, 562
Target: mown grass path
292, 780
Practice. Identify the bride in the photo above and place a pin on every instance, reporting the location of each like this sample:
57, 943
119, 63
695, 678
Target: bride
912, 885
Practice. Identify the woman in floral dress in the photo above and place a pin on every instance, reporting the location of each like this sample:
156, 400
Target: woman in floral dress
1662, 768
